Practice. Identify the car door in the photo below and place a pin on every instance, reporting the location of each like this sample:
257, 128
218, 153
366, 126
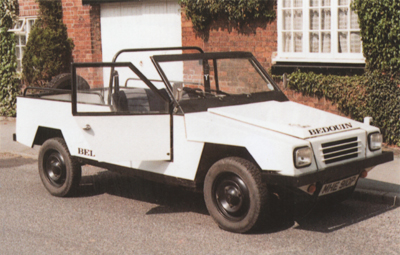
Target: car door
130, 122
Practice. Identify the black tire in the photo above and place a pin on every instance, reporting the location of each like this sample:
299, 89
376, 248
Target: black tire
235, 195
59, 172
63, 81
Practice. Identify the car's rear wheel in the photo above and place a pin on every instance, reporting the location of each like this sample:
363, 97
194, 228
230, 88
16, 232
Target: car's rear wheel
235, 196
59, 172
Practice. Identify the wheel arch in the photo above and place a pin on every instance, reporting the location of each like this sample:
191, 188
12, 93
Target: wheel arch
45, 133
214, 152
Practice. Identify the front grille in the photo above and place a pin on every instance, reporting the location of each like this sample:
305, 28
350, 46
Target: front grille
340, 150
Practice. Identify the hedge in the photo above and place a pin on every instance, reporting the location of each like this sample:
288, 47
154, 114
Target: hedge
373, 94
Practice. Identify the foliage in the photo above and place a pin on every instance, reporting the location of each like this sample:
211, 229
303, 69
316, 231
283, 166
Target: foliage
373, 94
238, 12
380, 31
49, 50
9, 83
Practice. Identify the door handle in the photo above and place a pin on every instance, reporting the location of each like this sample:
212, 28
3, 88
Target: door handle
87, 127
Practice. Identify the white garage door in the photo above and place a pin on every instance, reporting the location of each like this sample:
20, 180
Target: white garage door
144, 24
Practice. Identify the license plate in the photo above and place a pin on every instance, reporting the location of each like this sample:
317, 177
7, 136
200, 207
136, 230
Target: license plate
338, 185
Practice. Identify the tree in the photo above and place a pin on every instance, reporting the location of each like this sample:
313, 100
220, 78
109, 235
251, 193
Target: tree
49, 50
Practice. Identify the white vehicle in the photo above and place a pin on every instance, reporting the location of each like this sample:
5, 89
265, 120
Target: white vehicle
214, 121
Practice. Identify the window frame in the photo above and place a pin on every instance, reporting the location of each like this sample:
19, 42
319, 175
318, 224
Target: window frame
306, 56
22, 29
111, 86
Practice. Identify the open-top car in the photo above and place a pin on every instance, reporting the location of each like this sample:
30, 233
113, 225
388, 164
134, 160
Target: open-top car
214, 122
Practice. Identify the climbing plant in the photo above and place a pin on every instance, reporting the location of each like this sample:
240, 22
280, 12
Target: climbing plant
238, 12
9, 82
380, 31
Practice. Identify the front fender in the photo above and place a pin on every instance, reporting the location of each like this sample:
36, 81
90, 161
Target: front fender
271, 150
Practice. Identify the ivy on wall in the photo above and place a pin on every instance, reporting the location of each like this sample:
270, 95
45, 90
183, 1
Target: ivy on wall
380, 31
9, 81
238, 12
49, 50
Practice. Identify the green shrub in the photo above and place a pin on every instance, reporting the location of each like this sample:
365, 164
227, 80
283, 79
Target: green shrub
238, 12
9, 82
49, 50
372, 94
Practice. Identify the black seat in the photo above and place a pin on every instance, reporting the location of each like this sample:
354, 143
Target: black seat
120, 101
139, 100
156, 103
123, 101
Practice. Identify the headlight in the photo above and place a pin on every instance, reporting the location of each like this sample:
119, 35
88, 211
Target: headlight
375, 141
302, 157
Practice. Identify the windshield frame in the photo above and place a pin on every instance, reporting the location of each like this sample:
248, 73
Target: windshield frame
275, 94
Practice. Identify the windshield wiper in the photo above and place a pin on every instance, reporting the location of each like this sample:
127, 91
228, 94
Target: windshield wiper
204, 94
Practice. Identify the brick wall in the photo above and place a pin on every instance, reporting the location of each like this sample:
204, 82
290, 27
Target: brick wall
83, 24
261, 39
95, 33
28, 8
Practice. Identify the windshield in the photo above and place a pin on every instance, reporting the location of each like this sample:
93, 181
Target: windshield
218, 77
200, 81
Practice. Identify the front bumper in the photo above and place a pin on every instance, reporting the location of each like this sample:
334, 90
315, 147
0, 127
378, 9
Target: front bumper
327, 175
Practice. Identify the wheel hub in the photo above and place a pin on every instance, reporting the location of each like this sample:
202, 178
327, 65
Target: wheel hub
231, 196
55, 168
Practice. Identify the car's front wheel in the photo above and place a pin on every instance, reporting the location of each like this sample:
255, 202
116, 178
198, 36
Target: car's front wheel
59, 172
235, 196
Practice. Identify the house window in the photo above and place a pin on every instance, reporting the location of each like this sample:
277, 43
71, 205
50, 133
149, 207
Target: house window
349, 38
22, 28
318, 31
320, 26
292, 32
